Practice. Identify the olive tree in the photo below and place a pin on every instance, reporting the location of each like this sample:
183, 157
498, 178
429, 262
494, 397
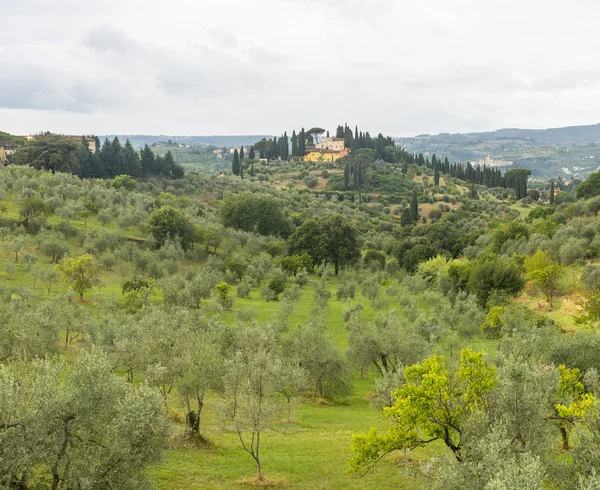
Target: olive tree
76, 426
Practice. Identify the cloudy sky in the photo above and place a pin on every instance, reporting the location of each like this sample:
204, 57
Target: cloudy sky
259, 67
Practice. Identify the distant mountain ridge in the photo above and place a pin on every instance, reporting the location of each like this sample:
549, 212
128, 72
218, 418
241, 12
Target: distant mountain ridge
568, 134
228, 141
571, 152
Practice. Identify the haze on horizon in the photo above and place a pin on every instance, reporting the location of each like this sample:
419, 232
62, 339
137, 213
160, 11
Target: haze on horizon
239, 67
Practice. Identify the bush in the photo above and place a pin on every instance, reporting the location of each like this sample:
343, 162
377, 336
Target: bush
346, 291
311, 181
591, 276
243, 289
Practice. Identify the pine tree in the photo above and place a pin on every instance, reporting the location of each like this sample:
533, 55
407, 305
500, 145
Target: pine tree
552, 193
235, 164
414, 206
147, 162
131, 160
85, 159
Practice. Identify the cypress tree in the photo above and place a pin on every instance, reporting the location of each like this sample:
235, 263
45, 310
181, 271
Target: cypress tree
406, 218
552, 193
242, 170
235, 164
285, 154
251, 153
473, 191
241, 153
274, 149
436, 176
302, 144
294, 144
252, 169
346, 177
414, 206
359, 182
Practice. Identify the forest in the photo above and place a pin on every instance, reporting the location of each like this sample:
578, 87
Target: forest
387, 320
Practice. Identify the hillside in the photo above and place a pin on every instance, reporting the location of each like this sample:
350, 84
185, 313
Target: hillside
569, 152
228, 141
10, 139
179, 322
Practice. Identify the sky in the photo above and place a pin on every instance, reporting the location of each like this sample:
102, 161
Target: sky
206, 67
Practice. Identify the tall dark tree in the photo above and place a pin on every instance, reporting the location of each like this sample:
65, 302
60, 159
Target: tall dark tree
552, 193
274, 149
131, 161
346, 177
251, 153
414, 205
241, 154
301, 143
436, 176
235, 164
147, 161
86, 160
294, 144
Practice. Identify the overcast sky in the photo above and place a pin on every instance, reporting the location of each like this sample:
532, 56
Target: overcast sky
264, 66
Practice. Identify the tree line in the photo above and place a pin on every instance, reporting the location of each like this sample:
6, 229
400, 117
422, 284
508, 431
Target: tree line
59, 153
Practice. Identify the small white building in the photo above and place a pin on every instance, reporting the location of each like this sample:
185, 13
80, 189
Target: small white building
335, 144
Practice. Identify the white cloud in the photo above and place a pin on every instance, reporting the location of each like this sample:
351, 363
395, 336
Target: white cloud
233, 66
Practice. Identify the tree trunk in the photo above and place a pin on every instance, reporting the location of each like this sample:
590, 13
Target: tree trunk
565, 438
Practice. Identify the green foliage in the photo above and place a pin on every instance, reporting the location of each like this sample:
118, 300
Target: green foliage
254, 213
496, 275
168, 223
509, 231
328, 240
49, 152
223, 291
123, 182
64, 426
374, 256
543, 272
293, 264
589, 187
434, 404
79, 272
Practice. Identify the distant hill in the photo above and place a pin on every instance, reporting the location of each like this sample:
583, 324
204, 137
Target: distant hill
10, 139
569, 134
569, 152
139, 140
